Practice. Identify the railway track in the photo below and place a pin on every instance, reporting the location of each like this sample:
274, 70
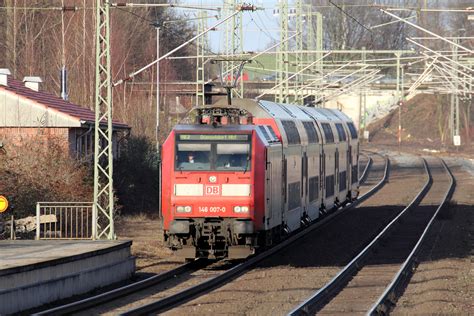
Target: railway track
204, 287
279, 283
372, 281
102, 298
160, 283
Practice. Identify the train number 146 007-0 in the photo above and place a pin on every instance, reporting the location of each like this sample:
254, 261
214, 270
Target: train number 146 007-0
212, 209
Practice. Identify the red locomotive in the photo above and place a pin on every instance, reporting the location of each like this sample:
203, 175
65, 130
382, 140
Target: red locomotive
246, 174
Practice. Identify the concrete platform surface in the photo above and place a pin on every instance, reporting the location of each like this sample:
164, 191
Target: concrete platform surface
33, 273
21, 253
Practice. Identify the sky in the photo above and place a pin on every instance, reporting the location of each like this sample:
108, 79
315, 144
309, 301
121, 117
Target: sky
260, 27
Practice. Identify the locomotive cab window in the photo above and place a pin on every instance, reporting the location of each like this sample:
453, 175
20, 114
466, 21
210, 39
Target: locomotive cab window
213, 152
232, 156
193, 156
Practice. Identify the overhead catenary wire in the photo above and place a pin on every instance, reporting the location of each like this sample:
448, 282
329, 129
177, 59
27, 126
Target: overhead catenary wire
266, 29
428, 31
350, 16
292, 76
178, 34
133, 74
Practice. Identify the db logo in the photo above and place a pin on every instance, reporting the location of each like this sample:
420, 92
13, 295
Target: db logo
212, 190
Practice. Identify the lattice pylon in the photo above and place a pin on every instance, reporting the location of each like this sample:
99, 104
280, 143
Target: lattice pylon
233, 46
282, 64
103, 211
299, 51
200, 50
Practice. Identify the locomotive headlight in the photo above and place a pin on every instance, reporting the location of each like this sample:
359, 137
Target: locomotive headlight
241, 209
184, 209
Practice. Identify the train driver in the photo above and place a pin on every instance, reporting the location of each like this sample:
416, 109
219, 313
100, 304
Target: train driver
190, 157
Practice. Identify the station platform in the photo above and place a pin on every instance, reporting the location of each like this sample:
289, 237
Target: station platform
33, 273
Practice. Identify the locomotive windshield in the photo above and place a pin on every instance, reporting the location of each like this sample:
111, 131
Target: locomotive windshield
213, 152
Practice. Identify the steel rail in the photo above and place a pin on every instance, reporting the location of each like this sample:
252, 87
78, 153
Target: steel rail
364, 174
139, 285
323, 295
393, 291
194, 291
119, 292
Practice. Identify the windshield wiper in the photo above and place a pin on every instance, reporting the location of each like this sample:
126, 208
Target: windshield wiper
247, 164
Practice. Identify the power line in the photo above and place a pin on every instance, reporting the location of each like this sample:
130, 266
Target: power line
174, 35
136, 15
350, 16
264, 31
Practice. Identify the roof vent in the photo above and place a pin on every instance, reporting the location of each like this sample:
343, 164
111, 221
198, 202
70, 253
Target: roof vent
32, 82
4, 73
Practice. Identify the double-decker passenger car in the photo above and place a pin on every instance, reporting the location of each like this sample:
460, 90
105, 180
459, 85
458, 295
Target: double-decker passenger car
245, 175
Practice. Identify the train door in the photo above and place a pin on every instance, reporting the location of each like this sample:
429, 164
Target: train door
322, 177
276, 196
284, 186
273, 193
336, 171
268, 192
349, 170
313, 174
294, 188
304, 182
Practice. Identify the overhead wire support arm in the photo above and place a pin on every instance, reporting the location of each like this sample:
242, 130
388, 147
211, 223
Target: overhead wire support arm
257, 55
160, 5
364, 80
292, 76
438, 54
389, 23
133, 74
326, 75
427, 31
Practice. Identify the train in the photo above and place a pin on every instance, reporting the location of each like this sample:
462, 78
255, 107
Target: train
244, 174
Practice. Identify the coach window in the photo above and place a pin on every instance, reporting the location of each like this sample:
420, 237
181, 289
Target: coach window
311, 132
291, 131
193, 156
353, 130
232, 156
341, 133
328, 133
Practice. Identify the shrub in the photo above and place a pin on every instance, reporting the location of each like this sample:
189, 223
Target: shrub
31, 171
136, 176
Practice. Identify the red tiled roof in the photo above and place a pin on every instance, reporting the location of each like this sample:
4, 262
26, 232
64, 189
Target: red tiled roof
54, 102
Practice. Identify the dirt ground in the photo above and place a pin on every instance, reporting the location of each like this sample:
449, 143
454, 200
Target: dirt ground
148, 246
425, 126
442, 284
283, 281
